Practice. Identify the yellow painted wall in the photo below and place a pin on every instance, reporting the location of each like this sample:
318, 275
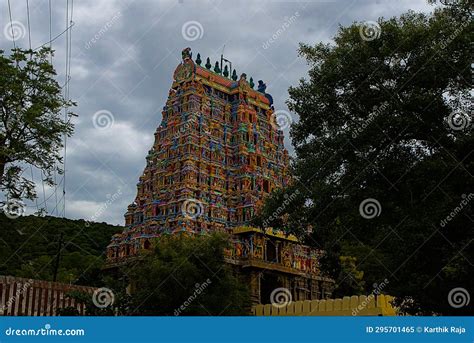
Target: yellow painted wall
362, 305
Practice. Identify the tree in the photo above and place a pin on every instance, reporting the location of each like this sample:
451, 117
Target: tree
187, 276
384, 158
31, 125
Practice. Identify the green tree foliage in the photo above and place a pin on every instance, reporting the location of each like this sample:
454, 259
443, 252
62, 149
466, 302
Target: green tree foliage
187, 276
31, 123
28, 248
389, 119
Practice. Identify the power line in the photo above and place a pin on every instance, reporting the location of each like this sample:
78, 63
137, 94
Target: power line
11, 24
56, 37
28, 18
69, 24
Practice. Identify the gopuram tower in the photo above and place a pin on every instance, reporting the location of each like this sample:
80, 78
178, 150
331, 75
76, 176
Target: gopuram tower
218, 153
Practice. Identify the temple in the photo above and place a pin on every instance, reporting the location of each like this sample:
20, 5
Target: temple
218, 153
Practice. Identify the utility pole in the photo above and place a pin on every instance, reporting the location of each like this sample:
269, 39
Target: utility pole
58, 257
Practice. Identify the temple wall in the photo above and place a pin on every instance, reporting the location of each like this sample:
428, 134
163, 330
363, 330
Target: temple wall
28, 297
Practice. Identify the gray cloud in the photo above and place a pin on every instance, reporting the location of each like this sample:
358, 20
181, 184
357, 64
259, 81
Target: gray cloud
123, 57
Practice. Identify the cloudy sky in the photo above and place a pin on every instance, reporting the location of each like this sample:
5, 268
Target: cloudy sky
122, 61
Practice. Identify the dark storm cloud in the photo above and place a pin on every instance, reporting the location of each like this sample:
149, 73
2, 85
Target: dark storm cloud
123, 57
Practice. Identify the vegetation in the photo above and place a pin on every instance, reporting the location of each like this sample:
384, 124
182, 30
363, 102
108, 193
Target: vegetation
181, 275
387, 118
29, 246
188, 276
31, 123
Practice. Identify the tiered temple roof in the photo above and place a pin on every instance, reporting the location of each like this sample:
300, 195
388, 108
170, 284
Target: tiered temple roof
217, 153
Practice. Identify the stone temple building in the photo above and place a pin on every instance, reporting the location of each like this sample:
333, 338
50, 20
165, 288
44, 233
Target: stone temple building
217, 153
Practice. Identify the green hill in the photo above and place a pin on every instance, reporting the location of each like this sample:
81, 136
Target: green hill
29, 245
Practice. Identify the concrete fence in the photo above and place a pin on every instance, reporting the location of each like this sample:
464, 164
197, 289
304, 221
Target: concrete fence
372, 305
28, 297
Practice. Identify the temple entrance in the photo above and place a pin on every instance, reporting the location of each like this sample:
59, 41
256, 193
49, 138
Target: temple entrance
268, 283
271, 251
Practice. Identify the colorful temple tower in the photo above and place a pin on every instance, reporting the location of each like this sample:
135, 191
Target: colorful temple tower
217, 153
